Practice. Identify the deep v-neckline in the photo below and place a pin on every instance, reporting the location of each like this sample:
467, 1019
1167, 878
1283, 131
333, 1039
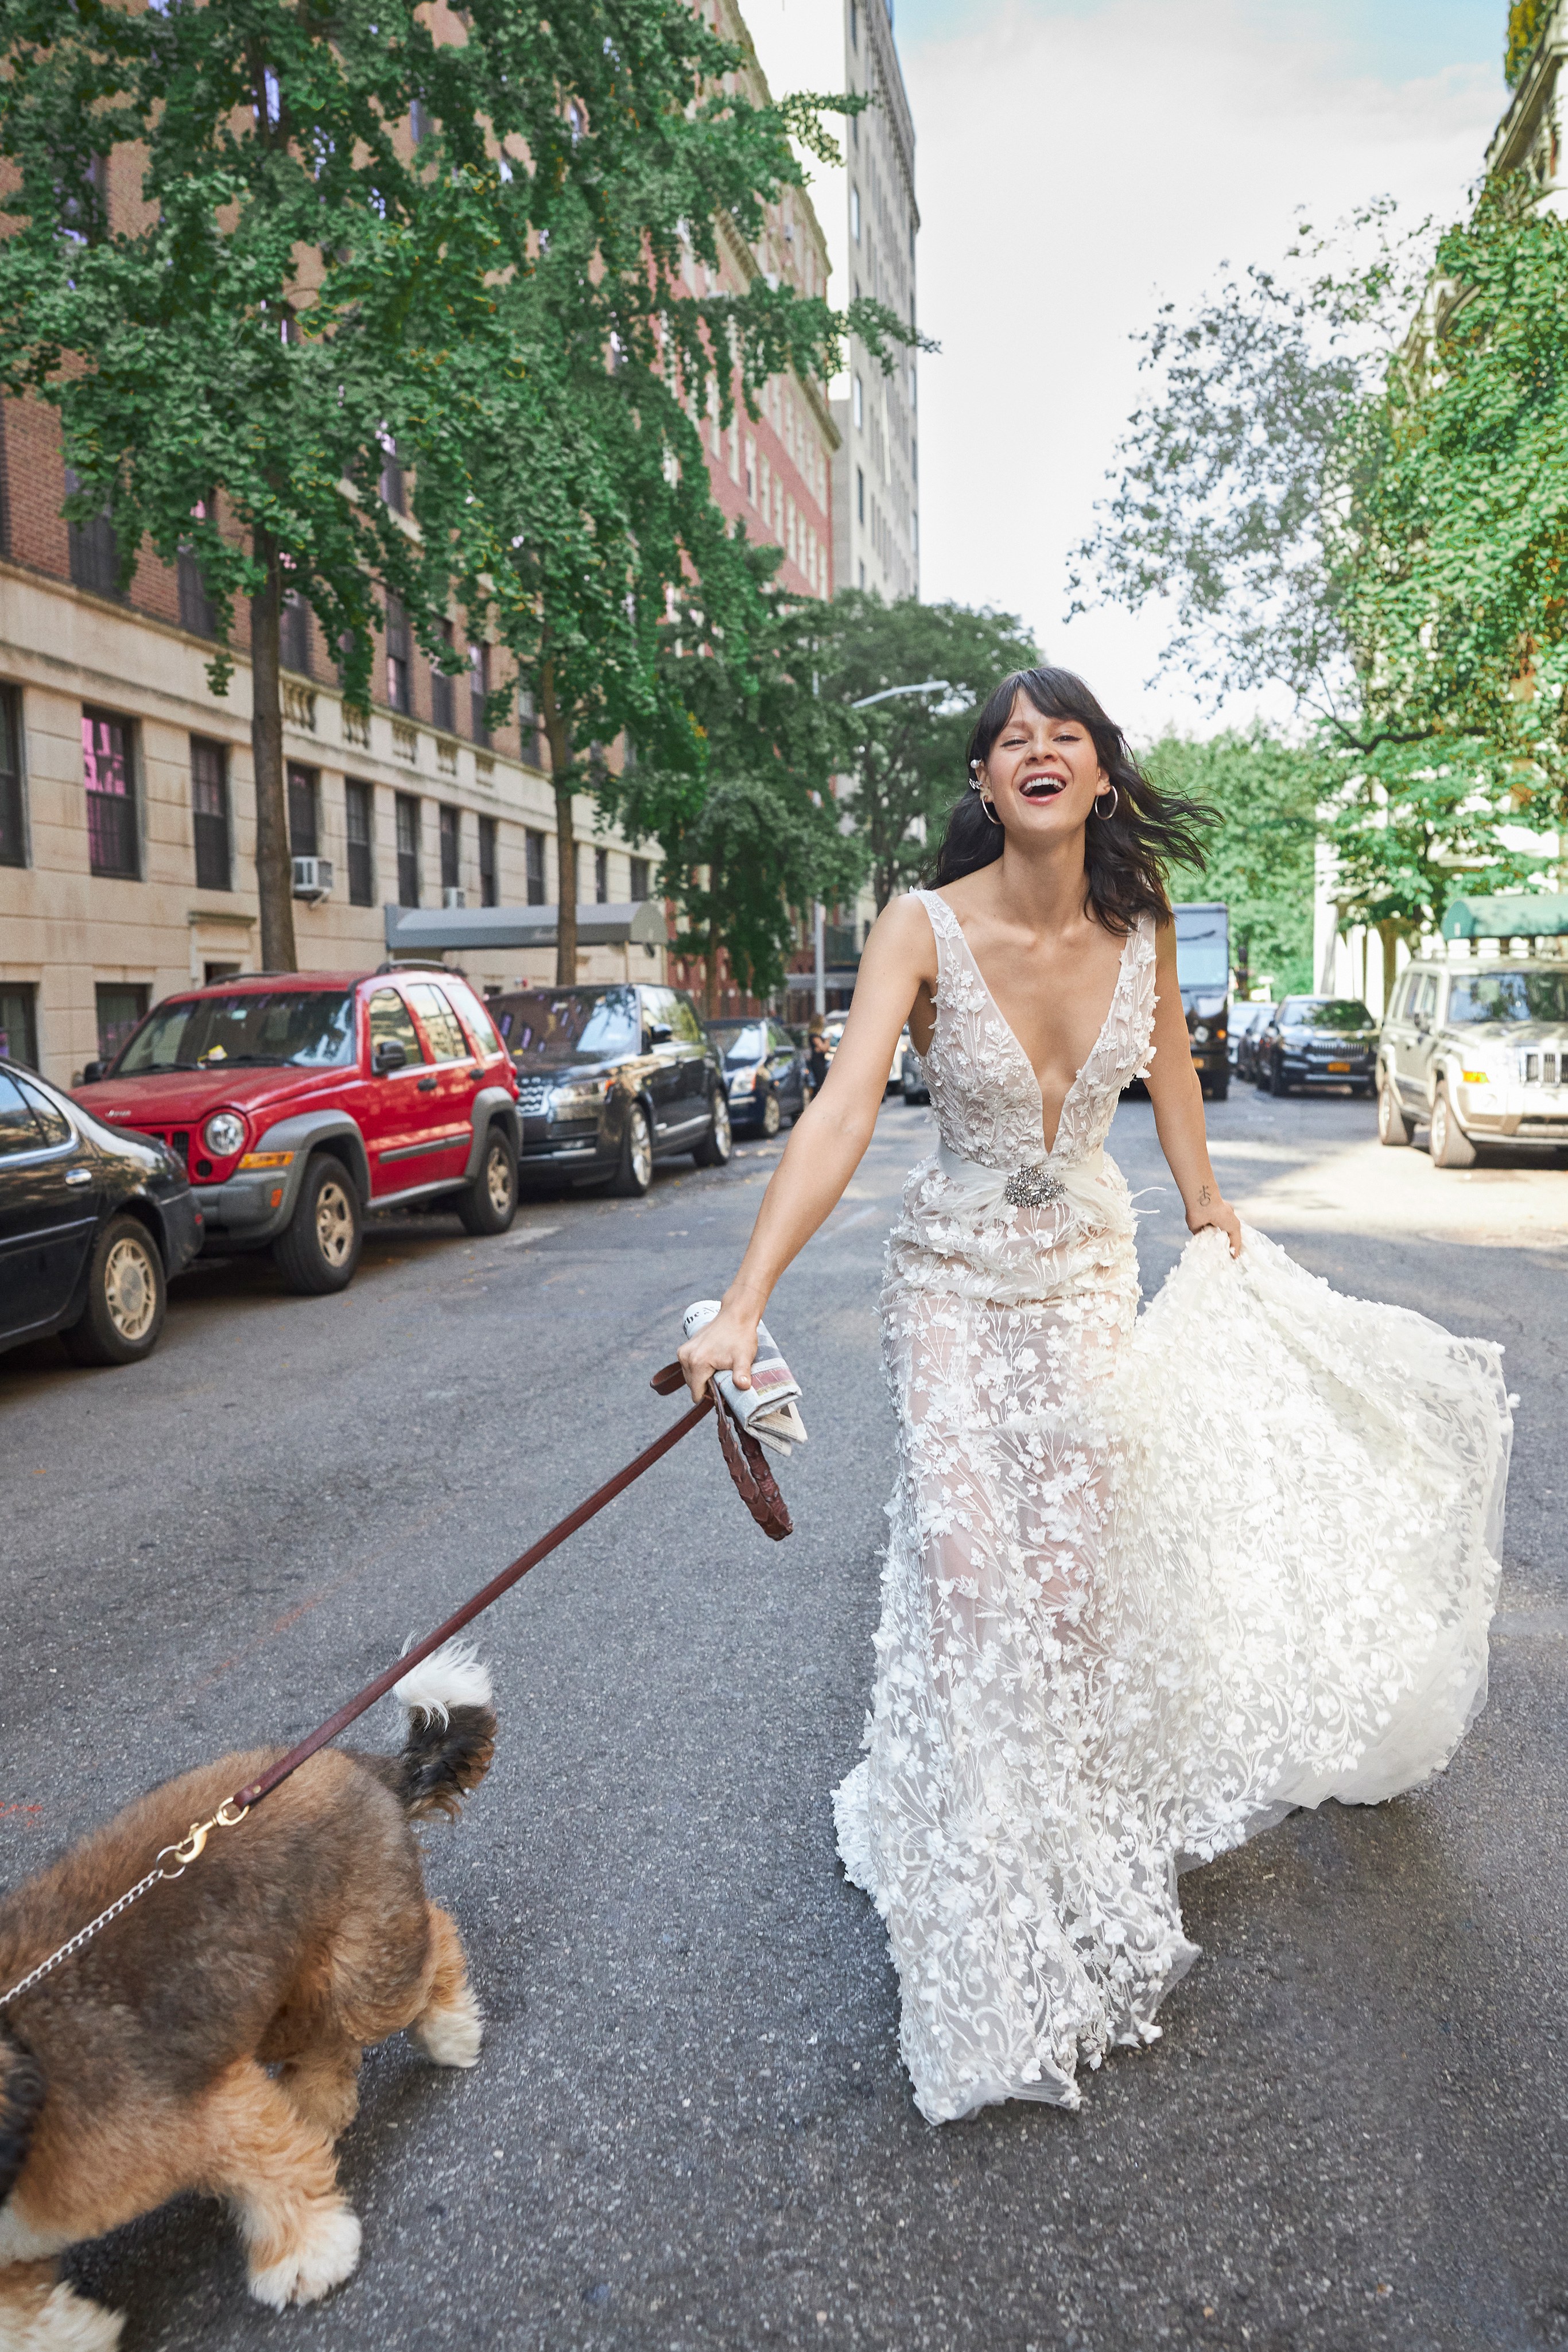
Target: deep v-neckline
1016, 1041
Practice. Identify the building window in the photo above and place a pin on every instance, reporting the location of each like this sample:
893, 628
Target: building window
294, 633
859, 494
638, 869
601, 878
533, 851
859, 405
13, 806
209, 813
451, 821
854, 24
19, 1023
119, 1010
396, 654
441, 689
479, 692
109, 773
855, 211
304, 811
358, 812
195, 605
489, 895
94, 551
393, 488
407, 850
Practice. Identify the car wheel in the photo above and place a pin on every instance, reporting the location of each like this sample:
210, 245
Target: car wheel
125, 1297
318, 1250
1394, 1124
1363, 1091
716, 1146
1220, 1090
635, 1174
488, 1204
1448, 1144
772, 1117
1276, 1085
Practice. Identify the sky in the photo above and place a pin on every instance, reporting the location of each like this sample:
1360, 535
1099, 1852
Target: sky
1078, 161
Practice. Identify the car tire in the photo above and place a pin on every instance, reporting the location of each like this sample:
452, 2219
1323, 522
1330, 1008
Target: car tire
1447, 1143
1276, 1085
125, 1297
1394, 1124
771, 1114
635, 1174
319, 1248
717, 1145
1220, 1090
488, 1204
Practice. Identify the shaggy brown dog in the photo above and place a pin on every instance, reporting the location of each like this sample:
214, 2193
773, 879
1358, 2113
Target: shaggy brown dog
141, 2068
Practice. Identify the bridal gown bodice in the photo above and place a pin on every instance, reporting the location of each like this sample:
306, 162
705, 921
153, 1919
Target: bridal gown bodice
1151, 1581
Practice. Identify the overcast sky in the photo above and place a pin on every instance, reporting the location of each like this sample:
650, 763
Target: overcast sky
1079, 159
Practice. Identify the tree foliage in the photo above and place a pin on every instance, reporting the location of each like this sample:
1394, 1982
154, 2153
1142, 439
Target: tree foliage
905, 756
1260, 854
1526, 19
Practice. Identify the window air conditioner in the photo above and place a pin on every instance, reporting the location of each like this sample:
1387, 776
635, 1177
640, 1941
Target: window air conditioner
313, 878
452, 897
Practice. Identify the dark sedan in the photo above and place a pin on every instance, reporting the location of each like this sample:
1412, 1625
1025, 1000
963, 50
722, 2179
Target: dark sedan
1318, 1042
93, 1222
1247, 1022
766, 1074
610, 1079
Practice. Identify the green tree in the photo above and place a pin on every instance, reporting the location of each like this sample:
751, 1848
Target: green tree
905, 755
1260, 854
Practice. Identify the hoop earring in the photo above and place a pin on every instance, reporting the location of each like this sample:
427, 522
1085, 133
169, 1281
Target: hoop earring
1106, 814
990, 810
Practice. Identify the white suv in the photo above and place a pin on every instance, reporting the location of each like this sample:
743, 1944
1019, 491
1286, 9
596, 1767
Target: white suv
1479, 1050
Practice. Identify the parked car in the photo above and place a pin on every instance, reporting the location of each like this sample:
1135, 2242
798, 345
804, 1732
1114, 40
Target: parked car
1247, 1022
611, 1080
296, 1102
93, 1225
909, 1071
767, 1074
1203, 975
1317, 1041
1480, 1050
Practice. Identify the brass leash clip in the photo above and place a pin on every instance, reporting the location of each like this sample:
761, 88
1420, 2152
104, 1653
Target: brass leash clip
227, 1817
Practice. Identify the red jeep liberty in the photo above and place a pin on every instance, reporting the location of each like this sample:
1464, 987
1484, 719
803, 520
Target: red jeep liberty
299, 1100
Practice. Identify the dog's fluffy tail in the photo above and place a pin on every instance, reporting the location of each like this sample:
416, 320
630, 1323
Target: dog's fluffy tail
450, 1732
21, 2098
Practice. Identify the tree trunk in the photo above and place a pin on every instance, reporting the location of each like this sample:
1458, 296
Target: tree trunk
274, 871
559, 740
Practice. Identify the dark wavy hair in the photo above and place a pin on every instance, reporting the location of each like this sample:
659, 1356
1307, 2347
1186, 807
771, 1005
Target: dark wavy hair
1126, 854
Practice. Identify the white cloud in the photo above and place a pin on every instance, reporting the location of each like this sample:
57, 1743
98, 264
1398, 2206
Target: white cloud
1073, 171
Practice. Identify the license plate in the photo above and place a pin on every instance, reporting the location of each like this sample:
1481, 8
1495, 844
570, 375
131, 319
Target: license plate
1339, 1070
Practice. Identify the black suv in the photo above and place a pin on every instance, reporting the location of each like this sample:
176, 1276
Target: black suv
767, 1074
92, 1225
1317, 1041
610, 1079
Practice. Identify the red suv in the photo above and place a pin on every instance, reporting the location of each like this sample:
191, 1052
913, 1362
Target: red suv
299, 1100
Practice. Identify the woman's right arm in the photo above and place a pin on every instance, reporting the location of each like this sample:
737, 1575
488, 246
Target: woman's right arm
827, 1141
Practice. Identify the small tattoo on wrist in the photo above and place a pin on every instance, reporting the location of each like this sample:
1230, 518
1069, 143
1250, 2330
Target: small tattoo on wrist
1203, 1197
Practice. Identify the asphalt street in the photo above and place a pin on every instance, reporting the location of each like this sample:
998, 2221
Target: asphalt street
690, 2127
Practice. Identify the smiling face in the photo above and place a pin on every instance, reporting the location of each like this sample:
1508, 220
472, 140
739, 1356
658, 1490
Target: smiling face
1041, 773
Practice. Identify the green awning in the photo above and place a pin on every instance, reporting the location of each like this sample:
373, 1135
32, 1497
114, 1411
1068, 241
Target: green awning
1523, 915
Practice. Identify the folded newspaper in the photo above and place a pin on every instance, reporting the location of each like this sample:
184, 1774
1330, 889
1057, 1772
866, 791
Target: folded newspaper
766, 1410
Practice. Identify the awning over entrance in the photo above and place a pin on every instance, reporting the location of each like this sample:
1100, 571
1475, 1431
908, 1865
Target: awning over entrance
1519, 914
430, 930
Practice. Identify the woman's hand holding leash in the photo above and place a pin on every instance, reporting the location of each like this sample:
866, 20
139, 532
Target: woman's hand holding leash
727, 1344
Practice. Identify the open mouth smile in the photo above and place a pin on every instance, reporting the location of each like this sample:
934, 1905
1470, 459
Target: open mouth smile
1042, 788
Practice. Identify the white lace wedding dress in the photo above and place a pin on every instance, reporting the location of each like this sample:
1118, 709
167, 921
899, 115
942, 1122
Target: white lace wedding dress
1152, 1581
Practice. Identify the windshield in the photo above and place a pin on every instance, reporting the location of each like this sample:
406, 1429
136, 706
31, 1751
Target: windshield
546, 1028
312, 1029
1342, 1013
1511, 996
742, 1042
1203, 947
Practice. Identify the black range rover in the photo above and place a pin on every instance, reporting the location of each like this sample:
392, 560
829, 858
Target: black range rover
612, 1079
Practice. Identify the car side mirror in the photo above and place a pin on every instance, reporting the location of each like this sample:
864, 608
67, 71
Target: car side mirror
91, 1074
659, 1033
390, 1054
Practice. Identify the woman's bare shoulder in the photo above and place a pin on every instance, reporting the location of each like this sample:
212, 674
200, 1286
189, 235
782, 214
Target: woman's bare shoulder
903, 930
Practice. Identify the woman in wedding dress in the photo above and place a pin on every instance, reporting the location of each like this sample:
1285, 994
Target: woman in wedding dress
1154, 1580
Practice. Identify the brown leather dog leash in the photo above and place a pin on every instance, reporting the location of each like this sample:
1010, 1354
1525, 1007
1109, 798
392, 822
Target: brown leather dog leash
758, 1489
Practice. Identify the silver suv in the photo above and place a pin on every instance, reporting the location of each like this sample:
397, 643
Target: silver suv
1477, 1049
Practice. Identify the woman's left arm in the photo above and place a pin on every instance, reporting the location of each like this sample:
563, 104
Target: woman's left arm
1177, 1095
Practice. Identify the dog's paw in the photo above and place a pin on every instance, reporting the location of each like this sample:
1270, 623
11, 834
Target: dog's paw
453, 2036
66, 2322
325, 2254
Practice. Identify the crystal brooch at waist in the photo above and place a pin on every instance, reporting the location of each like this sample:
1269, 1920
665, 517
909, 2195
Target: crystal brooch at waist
1031, 1188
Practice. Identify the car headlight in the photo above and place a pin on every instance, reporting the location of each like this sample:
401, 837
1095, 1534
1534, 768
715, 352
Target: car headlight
1200, 1035
578, 1101
225, 1134
744, 1082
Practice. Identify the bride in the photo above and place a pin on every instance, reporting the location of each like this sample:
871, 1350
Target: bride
1154, 1580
